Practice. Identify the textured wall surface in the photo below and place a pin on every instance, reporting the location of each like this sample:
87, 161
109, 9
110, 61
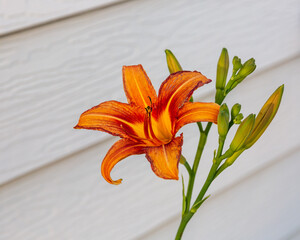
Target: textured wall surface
50, 173
53, 73
18, 15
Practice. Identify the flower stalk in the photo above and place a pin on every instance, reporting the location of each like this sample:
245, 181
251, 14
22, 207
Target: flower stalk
248, 132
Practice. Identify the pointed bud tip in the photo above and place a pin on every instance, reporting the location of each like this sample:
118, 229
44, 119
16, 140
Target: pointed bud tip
168, 51
280, 88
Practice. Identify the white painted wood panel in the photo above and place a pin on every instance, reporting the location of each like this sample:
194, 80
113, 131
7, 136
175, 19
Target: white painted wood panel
70, 200
15, 15
294, 236
51, 74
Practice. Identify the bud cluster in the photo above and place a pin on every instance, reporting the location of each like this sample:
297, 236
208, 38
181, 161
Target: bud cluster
247, 133
251, 128
239, 72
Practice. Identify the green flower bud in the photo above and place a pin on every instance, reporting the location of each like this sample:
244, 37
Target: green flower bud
235, 110
238, 119
242, 133
222, 69
247, 68
223, 121
237, 64
265, 116
172, 62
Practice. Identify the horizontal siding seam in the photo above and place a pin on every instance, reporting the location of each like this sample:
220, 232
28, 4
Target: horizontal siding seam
57, 19
48, 164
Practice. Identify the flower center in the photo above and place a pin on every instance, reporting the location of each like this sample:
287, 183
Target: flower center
158, 131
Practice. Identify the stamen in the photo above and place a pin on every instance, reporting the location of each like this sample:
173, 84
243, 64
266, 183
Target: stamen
148, 110
146, 124
150, 101
152, 133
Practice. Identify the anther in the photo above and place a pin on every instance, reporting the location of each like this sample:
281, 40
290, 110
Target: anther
150, 101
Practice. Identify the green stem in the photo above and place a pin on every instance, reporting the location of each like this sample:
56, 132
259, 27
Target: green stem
188, 215
226, 164
221, 169
208, 181
221, 145
188, 168
184, 221
201, 144
211, 176
200, 127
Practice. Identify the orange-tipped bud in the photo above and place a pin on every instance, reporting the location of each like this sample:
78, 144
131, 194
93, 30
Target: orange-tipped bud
265, 116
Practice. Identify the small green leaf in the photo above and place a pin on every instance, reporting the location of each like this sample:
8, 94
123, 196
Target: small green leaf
198, 204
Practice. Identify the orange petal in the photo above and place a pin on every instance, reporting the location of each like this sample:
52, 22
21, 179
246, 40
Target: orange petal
120, 150
164, 159
197, 112
138, 87
114, 117
178, 88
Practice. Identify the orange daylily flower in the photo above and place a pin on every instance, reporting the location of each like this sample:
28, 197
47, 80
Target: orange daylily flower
148, 123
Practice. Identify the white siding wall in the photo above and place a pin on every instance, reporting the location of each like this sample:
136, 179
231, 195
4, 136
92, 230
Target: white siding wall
19, 15
51, 183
